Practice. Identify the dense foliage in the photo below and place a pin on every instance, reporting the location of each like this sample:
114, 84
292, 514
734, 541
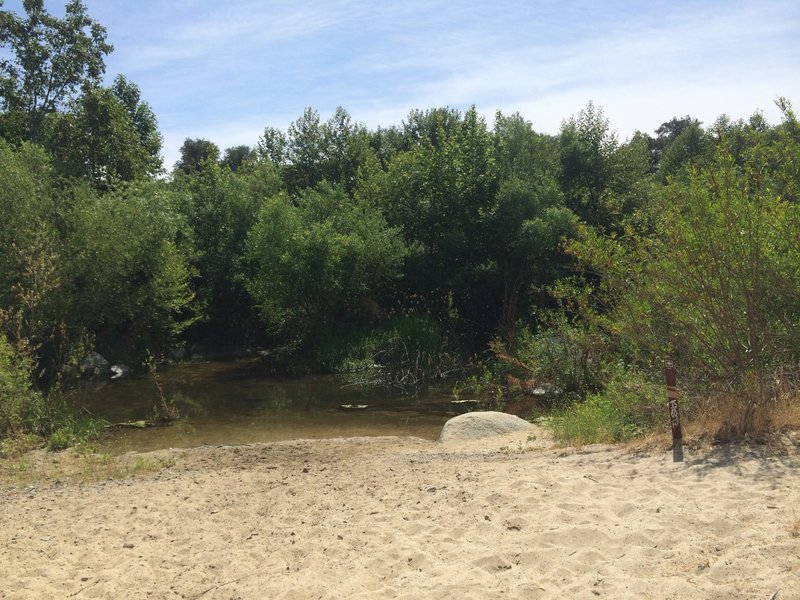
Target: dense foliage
575, 260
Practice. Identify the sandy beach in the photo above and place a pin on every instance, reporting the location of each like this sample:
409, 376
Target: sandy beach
508, 517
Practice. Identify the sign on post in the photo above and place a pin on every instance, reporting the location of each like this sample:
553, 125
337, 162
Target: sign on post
674, 412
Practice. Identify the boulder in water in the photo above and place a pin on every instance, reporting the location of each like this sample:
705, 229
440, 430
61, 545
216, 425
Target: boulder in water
94, 365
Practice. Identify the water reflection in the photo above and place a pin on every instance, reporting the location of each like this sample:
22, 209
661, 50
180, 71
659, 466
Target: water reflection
234, 402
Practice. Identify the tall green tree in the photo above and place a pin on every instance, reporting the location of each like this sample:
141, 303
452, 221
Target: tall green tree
314, 257
434, 127
666, 134
692, 147
438, 192
587, 146
129, 248
51, 60
143, 120
96, 141
305, 152
602, 180
313, 151
237, 156
195, 152
220, 207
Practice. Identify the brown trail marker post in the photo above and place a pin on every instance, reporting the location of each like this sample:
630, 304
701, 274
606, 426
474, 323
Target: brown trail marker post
674, 412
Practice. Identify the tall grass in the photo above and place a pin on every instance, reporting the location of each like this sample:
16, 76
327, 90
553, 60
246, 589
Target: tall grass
410, 350
629, 406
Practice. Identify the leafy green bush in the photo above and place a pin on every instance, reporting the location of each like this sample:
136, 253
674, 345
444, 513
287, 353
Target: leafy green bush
629, 406
562, 354
20, 404
24, 199
71, 428
220, 207
61, 439
713, 284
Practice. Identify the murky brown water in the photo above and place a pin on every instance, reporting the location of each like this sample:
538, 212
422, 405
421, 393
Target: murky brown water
234, 402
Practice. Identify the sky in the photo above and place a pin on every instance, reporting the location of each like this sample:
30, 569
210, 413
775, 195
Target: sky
224, 71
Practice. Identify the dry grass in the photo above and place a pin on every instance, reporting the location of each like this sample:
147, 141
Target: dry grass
16, 446
72, 466
727, 416
794, 528
719, 419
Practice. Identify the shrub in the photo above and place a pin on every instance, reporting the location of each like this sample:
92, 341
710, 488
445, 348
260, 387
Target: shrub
126, 248
629, 406
20, 404
714, 286
410, 350
563, 355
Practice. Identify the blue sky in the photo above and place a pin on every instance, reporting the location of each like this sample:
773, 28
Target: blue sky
226, 70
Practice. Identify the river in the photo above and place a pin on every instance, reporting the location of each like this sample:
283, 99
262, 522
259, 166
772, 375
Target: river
236, 402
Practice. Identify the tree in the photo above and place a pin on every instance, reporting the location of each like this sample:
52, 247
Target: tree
305, 148
313, 152
195, 152
143, 121
220, 207
128, 248
603, 181
97, 141
346, 149
237, 156
52, 59
272, 147
715, 286
433, 127
666, 134
587, 146
314, 256
438, 192
27, 212
691, 147
522, 154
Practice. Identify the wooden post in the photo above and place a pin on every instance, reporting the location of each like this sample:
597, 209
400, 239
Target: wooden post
674, 412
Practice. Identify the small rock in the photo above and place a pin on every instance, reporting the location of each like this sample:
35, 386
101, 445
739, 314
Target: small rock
118, 371
127, 545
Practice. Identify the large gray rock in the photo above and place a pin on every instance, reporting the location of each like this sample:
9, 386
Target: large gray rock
475, 425
94, 365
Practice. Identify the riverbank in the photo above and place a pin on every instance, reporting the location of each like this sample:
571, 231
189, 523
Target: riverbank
391, 517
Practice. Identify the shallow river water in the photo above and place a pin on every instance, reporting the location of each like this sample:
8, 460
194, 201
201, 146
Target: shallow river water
235, 402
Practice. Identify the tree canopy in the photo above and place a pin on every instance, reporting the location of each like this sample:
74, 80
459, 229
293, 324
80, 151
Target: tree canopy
51, 61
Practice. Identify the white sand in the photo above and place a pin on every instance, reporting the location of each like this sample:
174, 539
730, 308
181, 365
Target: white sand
407, 518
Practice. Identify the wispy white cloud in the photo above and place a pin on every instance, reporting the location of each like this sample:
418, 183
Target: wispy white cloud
225, 70
731, 62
